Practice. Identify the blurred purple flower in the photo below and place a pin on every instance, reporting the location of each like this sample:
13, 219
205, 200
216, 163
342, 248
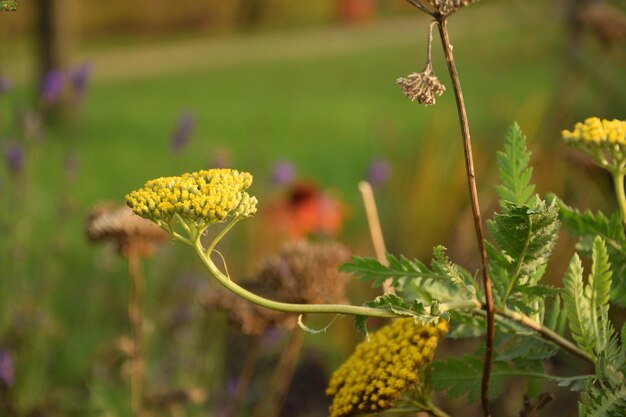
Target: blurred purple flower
182, 133
378, 172
79, 77
233, 386
7, 368
271, 337
283, 173
5, 85
51, 87
220, 159
14, 157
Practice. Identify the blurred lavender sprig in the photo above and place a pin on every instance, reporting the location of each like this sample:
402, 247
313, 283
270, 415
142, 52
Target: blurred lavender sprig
182, 133
79, 78
283, 173
5, 85
378, 172
7, 368
51, 87
14, 157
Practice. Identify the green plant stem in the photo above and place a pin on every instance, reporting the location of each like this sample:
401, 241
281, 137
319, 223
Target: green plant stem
429, 407
221, 235
274, 397
245, 376
527, 322
478, 224
136, 324
285, 307
618, 182
546, 333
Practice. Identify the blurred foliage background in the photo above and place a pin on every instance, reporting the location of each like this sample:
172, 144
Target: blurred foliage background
98, 97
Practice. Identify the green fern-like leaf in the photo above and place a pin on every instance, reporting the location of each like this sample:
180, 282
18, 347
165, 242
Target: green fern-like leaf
586, 226
443, 281
598, 290
577, 305
460, 376
603, 401
515, 173
525, 238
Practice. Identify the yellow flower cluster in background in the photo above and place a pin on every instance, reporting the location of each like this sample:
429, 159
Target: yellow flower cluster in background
383, 367
595, 130
201, 198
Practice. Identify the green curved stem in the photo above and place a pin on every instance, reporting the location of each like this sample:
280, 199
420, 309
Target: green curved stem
311, 308
285, 307
618, 182
525, 321
221, 235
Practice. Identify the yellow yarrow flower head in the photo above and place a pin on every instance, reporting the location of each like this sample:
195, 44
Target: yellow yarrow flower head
604, 140
199, 198
384, 367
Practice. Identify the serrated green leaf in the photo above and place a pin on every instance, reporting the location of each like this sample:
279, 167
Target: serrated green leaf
460, 376
525, 238
597, 291
444, 281
539, 290
553, 314
515, 173
603, 401
577, 305
586, 226
360, 323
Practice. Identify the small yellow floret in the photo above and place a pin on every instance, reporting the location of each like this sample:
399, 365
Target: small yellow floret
596, 131
383, 367
201, 198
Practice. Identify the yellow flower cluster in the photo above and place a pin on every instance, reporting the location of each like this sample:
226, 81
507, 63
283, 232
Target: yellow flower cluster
201, 198
596, 130
383, 367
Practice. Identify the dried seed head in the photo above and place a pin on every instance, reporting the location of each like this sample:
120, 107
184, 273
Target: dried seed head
423, 86
442, 7
301, 273
306, 273
250, 318
119, 225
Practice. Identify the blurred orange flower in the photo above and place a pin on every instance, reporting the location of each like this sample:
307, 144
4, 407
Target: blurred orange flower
305, 210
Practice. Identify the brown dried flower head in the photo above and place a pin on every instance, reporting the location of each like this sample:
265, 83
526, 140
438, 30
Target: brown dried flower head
306, 272
249, 318
301, 272
119, 225
422, 86
441, 7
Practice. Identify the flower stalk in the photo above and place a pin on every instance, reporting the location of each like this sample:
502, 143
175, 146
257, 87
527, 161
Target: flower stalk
478, 224
618, 182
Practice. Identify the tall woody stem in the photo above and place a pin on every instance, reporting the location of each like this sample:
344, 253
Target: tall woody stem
135, 318
478, 224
